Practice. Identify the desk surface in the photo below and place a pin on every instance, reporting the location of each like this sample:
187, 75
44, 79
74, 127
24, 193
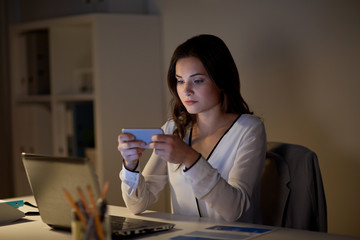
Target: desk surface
31, 227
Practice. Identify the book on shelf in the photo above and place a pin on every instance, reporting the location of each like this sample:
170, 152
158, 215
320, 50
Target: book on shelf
37, 81
80, 128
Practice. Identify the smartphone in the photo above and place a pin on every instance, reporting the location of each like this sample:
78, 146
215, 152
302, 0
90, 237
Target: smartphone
144, 134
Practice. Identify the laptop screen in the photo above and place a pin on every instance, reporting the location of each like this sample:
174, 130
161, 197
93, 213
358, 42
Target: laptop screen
50, 176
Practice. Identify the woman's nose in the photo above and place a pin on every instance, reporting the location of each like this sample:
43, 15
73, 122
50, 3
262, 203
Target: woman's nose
188, 89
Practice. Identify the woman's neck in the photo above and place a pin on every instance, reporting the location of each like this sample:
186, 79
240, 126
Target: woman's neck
207, 131
207, 124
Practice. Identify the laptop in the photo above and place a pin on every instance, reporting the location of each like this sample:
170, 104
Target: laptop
49, 176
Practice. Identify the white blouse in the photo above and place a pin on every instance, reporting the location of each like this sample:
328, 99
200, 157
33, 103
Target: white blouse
224, 186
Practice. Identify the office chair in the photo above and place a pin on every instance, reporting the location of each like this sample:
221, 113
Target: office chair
292, 193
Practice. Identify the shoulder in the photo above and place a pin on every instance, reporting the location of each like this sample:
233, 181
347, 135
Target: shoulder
169, 127
248, 122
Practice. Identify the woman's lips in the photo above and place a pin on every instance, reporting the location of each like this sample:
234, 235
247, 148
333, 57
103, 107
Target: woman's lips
190, 102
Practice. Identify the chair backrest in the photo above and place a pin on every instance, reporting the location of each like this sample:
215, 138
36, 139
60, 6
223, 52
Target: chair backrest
292, 193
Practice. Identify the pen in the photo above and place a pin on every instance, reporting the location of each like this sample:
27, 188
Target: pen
96, 215
76, 208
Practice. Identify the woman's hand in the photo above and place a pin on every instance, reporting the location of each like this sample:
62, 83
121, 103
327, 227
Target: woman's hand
130, 149
172, 149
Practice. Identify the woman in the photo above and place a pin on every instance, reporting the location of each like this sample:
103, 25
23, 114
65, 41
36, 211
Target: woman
213, 150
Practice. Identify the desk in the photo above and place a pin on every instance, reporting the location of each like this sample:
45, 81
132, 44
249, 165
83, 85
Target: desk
31, 227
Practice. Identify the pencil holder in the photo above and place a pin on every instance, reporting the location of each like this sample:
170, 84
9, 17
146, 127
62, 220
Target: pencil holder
89, 217
92, 231
77, 229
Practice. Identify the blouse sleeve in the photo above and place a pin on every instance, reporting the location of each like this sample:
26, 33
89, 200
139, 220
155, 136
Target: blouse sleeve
141, 189
231, 198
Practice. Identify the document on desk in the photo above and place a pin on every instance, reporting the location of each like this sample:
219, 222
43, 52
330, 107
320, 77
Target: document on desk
9, 211
224, 232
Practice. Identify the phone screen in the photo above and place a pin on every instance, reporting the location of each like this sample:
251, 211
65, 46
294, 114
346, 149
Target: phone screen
144, 134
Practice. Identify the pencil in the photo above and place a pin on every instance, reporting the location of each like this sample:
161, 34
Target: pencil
99, 229
83, 200
104, 190
75, 207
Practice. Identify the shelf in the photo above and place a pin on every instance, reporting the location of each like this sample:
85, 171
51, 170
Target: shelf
67, 74
60, 98
34, 99
75, 97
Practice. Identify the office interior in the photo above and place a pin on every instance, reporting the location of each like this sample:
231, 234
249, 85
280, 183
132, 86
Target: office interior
299, 65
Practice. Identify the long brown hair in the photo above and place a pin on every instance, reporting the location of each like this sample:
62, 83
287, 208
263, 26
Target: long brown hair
222, 70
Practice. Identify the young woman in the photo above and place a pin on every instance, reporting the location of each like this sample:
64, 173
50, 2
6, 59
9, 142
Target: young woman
213, 150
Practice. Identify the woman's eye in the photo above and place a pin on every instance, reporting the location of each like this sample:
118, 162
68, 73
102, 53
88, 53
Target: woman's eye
198, 81
179, 81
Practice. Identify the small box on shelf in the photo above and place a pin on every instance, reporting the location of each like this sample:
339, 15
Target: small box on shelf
83, 80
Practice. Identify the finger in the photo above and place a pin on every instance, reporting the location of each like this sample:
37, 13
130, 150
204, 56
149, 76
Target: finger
133, 151
160, 138
133, 154
160, 153
132, 144
125, 150
157, 145
125, 137
132, 158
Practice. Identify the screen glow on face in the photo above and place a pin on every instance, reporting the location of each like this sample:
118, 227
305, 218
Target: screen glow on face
196, 90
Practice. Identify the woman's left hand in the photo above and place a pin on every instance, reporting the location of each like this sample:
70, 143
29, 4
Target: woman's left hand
172, 149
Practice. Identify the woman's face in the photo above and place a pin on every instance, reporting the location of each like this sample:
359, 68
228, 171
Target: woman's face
196, 90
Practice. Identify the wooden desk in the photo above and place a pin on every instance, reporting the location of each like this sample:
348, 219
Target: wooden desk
32, 227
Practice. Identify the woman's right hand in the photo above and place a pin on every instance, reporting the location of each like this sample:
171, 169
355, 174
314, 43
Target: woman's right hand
130, 149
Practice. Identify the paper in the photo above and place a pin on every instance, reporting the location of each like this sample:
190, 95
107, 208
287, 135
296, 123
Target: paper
9, 214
